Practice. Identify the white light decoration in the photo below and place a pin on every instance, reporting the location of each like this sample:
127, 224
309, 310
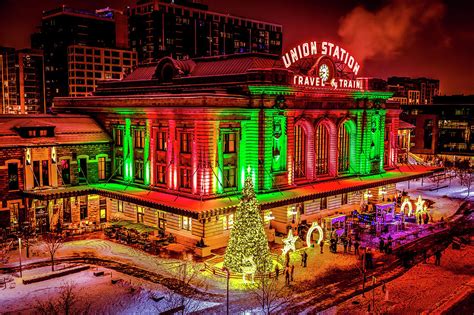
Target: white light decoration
314, 226
289, 243
28, 156
419, 205
248, 270
368, 194
53, 155
407, 203
269, 216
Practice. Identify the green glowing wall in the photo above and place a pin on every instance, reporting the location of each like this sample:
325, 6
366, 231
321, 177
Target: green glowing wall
128, 151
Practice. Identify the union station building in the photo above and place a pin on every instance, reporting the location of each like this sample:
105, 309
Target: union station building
171, 144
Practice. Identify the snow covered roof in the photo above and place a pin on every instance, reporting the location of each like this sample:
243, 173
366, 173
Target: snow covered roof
68, 129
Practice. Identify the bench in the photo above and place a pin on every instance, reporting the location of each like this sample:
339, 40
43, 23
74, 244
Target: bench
98, 273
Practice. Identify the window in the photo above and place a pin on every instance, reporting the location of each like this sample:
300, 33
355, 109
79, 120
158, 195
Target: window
119, 206
185, 178
323, 203
140, 214
185, 142
322, 150
36, 173
83, 207
67, 217
65, 171
228, 221
13, 183
161, 141
229, 177
32, 133
45, 172
343, 149
139, 138
344, 199
161, 173
139, 169
102, 209
82, 170
102, 167
118, 166
185, 223
43, 132
119, 137
300, 152
161, 220
229, 143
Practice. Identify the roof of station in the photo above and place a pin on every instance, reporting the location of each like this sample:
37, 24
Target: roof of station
207, 66
198, 209
68, 129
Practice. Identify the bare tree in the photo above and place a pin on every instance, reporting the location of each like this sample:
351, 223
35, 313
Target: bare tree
464, 171
270, 294
5, 252
52, 242
66, 303
187, 290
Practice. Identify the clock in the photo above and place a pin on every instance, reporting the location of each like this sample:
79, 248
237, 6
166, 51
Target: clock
324, 72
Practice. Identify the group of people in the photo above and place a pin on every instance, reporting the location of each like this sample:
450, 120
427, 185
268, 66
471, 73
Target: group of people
289, 269
347, 244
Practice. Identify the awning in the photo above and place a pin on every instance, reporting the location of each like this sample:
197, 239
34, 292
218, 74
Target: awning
201, 209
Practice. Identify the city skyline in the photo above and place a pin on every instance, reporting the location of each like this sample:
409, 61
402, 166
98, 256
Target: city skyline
426, 38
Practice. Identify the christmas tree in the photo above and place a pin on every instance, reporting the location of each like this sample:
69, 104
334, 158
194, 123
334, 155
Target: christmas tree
248, 242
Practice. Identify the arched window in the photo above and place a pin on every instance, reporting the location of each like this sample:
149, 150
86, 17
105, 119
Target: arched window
322, 150
300, 152
343, 147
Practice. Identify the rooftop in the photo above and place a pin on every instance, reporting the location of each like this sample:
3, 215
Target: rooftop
68, 129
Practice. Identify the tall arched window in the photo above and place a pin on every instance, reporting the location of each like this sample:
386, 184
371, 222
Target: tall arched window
300, 152
322, 150
343, 147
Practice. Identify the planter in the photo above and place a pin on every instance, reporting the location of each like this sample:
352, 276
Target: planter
203, 251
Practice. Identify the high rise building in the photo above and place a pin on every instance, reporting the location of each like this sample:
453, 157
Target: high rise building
185, 29
8, 90
87, 65
413, 91
63, 27
30, 82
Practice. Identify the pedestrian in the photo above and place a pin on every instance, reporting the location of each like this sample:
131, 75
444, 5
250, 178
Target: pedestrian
277, 271
388, 247
350, 244
287, 276
292, 271
287, 259
419, 219
321, 245
438, 258
305, 258
427, 218
381, 245
302, 259
356, 247
344, 243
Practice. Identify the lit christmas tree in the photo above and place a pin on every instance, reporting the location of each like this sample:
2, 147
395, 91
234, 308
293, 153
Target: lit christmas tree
248, 244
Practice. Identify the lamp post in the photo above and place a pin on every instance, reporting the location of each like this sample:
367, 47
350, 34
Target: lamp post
228, 278
19, 249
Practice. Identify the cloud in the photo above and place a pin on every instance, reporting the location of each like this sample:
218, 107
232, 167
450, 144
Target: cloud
390, 29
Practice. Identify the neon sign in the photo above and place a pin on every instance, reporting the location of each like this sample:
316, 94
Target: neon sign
323, 65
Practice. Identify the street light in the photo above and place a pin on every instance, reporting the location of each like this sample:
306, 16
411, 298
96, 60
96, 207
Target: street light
228, 277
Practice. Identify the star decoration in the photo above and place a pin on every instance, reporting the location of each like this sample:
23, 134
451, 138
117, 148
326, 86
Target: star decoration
289, 243
419, 205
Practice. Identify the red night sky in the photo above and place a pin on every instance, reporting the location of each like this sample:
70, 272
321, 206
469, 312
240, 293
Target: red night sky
431, 38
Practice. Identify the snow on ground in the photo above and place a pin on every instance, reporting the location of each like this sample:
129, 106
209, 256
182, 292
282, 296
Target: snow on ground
104, 297
447, 199
421, 288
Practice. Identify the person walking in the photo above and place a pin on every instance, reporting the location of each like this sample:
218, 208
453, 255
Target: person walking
344, 244
292, 271
350, 244
438, 258
381, 245
287, 276
356, 247
305, 259
277, 272
321, 245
